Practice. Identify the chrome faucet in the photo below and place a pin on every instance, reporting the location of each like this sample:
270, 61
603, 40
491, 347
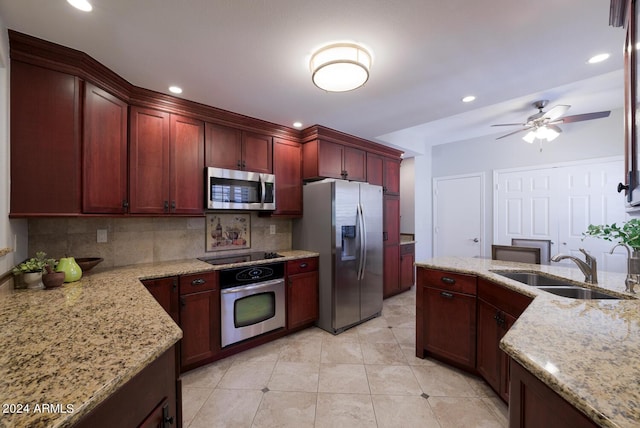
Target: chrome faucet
589, 269
633, 270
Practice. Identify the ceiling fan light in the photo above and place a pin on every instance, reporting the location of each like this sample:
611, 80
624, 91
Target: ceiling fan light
340, 67
530, 137
552, 134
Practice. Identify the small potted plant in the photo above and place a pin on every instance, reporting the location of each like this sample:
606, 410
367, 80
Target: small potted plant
31, 270
628, 234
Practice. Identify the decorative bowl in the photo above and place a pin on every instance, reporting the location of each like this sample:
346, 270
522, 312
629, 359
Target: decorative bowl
88, 263
53, 280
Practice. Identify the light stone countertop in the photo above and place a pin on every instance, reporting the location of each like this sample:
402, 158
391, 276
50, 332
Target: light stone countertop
588, 351
77, 344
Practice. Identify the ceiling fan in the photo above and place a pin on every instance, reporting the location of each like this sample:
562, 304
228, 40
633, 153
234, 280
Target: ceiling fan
544, 125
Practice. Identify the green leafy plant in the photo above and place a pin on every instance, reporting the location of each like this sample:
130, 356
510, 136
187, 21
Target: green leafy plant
35, 264
628, 233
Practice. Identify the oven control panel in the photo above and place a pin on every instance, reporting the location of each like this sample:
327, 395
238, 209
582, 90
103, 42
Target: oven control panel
250, 274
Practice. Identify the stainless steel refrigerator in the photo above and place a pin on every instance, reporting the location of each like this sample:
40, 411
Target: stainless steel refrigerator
343, 222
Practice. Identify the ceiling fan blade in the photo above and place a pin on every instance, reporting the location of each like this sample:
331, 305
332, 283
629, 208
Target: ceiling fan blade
509, 124
586, 116
556, 112
514, 132
555, 128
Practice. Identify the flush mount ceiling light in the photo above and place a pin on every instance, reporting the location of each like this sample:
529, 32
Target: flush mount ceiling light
82, 5
340, 67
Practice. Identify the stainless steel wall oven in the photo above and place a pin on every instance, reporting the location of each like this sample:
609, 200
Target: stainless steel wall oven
252, 301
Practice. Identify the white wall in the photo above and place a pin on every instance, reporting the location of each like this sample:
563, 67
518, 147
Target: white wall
13, 233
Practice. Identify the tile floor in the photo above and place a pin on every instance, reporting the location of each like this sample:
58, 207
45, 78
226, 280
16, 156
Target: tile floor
367, 376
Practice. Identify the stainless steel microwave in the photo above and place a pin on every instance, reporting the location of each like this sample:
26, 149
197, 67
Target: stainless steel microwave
228, 189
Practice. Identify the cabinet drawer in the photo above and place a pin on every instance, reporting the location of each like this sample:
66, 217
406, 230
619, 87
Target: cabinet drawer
302, 265
501, 297
198, 282
449, 281
407, 249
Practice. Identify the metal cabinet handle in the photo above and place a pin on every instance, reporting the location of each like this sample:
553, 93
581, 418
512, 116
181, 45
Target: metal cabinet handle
198, 281
446, 295
448, 280
303, 265
622, 187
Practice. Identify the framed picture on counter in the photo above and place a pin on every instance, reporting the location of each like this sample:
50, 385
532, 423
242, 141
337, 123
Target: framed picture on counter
228, 231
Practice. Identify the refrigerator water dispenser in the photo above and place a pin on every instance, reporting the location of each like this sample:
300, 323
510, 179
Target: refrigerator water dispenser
349, 243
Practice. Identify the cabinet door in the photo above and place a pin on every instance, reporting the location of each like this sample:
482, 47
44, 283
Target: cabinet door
223, 147
165, 291
330, 159
149, 161
505, 369
407, 277
287, 167
375, 169
257, 152
45, 141
534, 405
449, 326
391, 176
489, 334
186, 165
391, 232
200, 323
302, 303
355, 164
391, 274
104, 152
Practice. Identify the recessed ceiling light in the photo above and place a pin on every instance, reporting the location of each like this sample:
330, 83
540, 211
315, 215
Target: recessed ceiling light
82, 5
598, 58
175, 89
469, 98
297, 124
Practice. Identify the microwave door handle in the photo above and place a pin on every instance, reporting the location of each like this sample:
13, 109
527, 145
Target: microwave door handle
263, 190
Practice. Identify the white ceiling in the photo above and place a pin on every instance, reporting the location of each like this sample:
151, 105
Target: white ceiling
250, 57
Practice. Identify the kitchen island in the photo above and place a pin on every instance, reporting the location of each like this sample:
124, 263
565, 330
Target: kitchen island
586, 351
68, 350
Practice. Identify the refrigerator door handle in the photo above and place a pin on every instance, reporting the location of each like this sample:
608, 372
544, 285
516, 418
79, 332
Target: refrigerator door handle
363, 243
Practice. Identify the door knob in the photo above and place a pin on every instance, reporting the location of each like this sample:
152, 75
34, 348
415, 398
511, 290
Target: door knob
476, 240
622, 187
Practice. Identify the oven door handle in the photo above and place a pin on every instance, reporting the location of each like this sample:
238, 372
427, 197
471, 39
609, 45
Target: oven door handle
251, 287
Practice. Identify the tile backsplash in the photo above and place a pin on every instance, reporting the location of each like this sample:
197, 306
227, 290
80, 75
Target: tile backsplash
143, 240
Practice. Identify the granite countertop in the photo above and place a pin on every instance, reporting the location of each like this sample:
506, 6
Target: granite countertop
75, 345
588, 351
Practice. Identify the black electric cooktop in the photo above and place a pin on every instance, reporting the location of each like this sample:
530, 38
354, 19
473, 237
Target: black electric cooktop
240, 258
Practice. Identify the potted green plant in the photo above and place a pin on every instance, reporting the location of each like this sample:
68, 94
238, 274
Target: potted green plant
627, 234
31, 270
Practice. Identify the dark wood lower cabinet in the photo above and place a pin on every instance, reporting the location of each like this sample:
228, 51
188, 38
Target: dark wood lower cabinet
302, 292
152, 398
534, 405
407, 270
200, 323
165, 291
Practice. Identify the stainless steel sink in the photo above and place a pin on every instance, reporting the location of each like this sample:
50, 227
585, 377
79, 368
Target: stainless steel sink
575, 292
533, 279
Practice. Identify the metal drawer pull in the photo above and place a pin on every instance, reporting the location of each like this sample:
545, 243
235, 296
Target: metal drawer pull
448, 280
303, 265
198, 281
446, 295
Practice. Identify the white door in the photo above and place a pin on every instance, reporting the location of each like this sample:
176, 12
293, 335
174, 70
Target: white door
458, 215
559, 203
588, 195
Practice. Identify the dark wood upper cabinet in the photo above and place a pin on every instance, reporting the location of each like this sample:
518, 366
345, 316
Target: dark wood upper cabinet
391, 176
375, 169
166, 162
149, 161
232, 148
186, 165
324, 159
287, 167
223, 147
104, 153
45, 141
